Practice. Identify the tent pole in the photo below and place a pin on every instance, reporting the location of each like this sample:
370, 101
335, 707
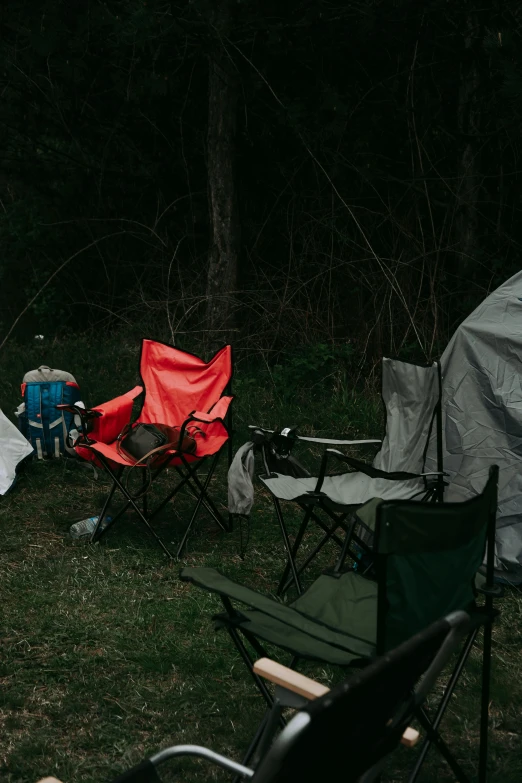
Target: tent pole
440, 459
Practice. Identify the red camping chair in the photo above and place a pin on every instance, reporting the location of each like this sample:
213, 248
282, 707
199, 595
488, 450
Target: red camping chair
179, 390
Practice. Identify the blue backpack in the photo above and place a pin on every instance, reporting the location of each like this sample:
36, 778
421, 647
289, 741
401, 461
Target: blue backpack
45, 427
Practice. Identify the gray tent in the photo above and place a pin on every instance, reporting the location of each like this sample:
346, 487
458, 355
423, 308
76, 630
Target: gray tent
482, 414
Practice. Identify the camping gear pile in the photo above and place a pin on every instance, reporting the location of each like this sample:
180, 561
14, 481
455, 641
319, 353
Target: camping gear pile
411, 530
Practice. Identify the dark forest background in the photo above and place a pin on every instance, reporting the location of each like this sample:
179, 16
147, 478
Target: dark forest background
276, 174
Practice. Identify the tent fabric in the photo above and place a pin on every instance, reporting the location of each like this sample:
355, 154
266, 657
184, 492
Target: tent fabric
482, 414
13, 449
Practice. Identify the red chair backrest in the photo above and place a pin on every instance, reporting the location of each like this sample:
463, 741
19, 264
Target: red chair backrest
177, 383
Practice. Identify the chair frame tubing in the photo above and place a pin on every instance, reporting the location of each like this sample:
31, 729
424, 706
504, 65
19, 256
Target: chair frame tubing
189, 477
339, 521
329, 534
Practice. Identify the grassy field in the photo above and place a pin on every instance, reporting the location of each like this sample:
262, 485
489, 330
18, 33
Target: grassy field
105, 656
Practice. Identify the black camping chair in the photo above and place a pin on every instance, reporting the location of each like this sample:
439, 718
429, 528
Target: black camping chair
426, 559
412, 398
347, 733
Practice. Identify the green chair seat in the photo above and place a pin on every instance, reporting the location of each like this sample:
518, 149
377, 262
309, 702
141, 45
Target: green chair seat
334, 621
342, 602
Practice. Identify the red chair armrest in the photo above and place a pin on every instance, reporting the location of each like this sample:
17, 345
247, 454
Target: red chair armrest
115, 415
200, 416
216, 413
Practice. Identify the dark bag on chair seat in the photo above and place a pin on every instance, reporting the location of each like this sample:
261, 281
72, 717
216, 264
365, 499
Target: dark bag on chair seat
150, 441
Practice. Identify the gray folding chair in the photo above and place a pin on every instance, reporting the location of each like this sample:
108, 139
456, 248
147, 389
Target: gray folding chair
412, 398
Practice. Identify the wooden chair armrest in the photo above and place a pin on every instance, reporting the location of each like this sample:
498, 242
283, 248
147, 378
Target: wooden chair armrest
293, 681
309, 689
410, 737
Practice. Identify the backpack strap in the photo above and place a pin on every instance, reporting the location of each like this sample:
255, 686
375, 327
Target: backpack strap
57, 424
33, 407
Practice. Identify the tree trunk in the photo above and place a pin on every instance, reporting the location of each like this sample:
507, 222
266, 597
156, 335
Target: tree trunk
469, 173
224, 218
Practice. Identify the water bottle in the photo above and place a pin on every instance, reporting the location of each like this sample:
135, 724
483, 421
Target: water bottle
85, 527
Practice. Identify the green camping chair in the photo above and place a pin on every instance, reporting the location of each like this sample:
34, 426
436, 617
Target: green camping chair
426, 559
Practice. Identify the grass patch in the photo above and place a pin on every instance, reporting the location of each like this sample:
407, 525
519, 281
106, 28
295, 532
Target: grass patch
105, 656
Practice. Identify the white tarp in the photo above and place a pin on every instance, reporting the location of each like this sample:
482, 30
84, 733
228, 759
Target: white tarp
13, 449
482, 413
